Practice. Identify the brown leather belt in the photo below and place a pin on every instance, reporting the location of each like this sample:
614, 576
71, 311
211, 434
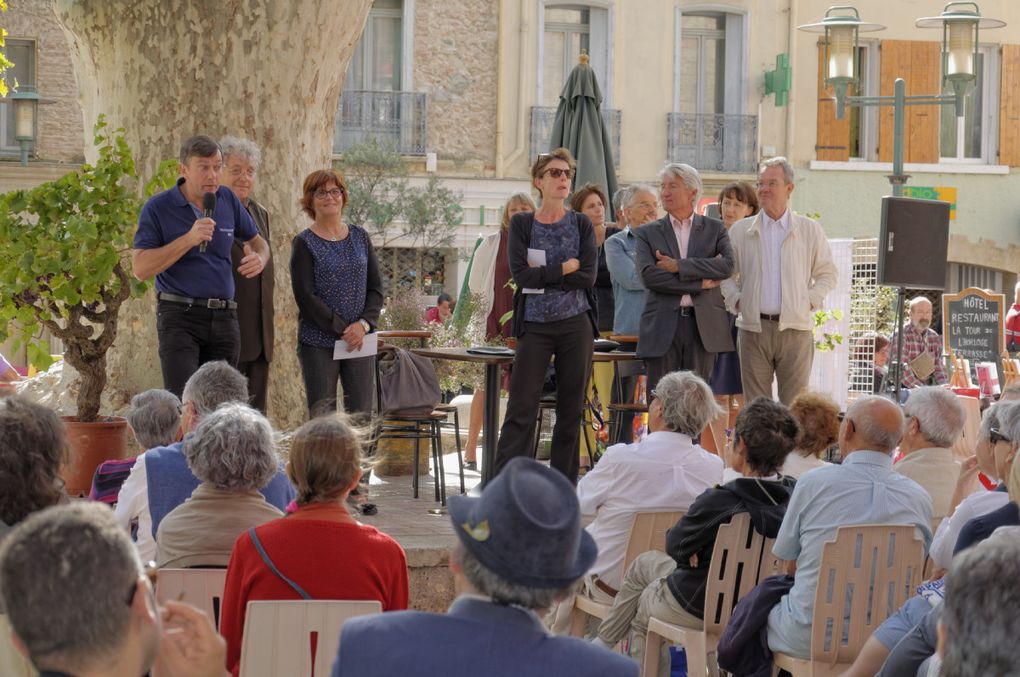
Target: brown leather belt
609, 590
773, 318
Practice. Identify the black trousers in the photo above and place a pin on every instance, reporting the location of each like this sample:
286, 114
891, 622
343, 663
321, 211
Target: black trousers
257, 373
686, 353
189, 336
321, 374
570, 342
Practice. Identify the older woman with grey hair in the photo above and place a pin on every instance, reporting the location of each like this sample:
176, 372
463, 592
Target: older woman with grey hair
253, 295
233, 454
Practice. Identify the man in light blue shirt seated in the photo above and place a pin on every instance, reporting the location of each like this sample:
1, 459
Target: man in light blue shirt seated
863, 490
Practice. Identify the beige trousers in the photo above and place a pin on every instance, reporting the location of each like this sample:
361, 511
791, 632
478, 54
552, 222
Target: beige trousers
645, 594
558, 619
786, 354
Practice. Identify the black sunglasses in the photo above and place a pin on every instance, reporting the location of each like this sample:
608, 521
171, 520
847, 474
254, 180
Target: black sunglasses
995, 436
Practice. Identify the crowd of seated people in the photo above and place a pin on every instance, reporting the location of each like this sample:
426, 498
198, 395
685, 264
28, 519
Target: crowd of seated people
521, 551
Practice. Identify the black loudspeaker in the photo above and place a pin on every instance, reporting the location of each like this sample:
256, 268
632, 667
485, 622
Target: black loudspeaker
913, 244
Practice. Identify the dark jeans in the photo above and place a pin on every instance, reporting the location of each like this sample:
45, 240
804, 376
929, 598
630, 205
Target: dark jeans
570, 342
257, 373
189, 336
686, 353
321, 374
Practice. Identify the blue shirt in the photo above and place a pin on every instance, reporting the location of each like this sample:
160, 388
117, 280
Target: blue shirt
628, 289
169, 215
341, 280
560, 241
863, 490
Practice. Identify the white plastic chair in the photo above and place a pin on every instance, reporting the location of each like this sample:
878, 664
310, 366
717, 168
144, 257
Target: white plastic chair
202, 588
296, 638
867, 573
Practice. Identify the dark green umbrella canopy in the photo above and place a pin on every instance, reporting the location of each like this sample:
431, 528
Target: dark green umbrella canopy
579, 128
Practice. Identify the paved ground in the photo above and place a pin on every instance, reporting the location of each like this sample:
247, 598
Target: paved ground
416, 524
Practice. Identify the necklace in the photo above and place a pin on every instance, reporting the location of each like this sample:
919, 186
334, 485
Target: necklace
327, 235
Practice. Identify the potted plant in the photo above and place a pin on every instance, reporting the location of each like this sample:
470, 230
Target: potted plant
66, 271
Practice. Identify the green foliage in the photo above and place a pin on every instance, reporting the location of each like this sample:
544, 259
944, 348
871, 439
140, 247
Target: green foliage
464, 330
382, 200
66, 267
828, 341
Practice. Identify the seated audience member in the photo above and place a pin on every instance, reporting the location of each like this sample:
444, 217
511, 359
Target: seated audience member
155, 421
1006, 439
442, 310
976, 635
160, 479
665, 471
818, 418
935, 420
32, 452
671, 585
904, 622
319, 546
520, 548
233, 455
862, 490
80, 604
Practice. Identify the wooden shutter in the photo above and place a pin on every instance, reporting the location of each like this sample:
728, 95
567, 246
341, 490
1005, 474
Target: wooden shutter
833, 137
918, 63
1009, 107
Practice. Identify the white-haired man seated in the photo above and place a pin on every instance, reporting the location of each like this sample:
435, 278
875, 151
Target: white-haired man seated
664, 472
935, 420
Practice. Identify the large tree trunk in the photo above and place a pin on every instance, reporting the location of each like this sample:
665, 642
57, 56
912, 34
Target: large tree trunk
270, 71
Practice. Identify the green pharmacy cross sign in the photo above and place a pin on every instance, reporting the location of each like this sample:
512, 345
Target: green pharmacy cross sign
778, 81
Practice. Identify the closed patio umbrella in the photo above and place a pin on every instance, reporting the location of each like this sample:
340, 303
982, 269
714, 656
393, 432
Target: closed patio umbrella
579, 128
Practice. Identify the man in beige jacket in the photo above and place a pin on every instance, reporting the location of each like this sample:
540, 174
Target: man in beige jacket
783, 271
935, 420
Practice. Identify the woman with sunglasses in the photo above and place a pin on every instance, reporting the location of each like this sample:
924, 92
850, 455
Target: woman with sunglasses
553, 260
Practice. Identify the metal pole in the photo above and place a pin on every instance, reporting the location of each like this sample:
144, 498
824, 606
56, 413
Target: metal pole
898, 365
898, 178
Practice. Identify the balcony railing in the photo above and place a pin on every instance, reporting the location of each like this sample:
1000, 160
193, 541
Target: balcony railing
713, 143
542, 118
394, 118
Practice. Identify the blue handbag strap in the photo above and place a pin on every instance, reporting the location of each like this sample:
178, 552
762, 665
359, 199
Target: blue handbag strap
272, 567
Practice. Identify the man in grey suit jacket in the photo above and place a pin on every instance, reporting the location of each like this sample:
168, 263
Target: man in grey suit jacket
520, 548
683, 257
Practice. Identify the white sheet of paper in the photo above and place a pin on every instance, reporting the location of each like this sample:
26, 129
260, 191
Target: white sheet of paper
536, 257
369, 346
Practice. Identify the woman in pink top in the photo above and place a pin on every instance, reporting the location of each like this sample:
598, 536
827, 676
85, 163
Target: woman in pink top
319, 546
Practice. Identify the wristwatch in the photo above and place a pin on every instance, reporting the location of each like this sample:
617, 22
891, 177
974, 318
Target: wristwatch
365, 324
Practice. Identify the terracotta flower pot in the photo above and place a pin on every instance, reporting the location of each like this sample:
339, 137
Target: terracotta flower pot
91, 444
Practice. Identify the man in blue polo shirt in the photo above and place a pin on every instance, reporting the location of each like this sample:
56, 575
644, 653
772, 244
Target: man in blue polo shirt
189, 253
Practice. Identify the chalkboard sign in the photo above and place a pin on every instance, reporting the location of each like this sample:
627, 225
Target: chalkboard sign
972, 325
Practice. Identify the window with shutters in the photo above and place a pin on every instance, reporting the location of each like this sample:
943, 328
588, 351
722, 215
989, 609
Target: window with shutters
971, 137
22, 54
855, 137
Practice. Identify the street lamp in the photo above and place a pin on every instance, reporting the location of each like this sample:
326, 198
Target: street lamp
959, 22
26, 102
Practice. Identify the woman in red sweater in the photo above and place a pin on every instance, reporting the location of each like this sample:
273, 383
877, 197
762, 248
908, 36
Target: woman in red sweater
319, 546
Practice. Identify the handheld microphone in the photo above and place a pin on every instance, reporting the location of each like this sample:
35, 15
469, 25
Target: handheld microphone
208, 207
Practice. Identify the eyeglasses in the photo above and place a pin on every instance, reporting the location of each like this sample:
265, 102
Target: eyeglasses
336, 194
769, 184
994, 436
151, 573
644, 205
557, 173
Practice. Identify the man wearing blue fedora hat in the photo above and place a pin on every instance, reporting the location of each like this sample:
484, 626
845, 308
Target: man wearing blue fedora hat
520, 549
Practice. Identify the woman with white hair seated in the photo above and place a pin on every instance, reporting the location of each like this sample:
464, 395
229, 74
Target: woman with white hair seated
233, 454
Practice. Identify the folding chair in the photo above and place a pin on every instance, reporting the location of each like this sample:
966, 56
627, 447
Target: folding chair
296, 638
867, 573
